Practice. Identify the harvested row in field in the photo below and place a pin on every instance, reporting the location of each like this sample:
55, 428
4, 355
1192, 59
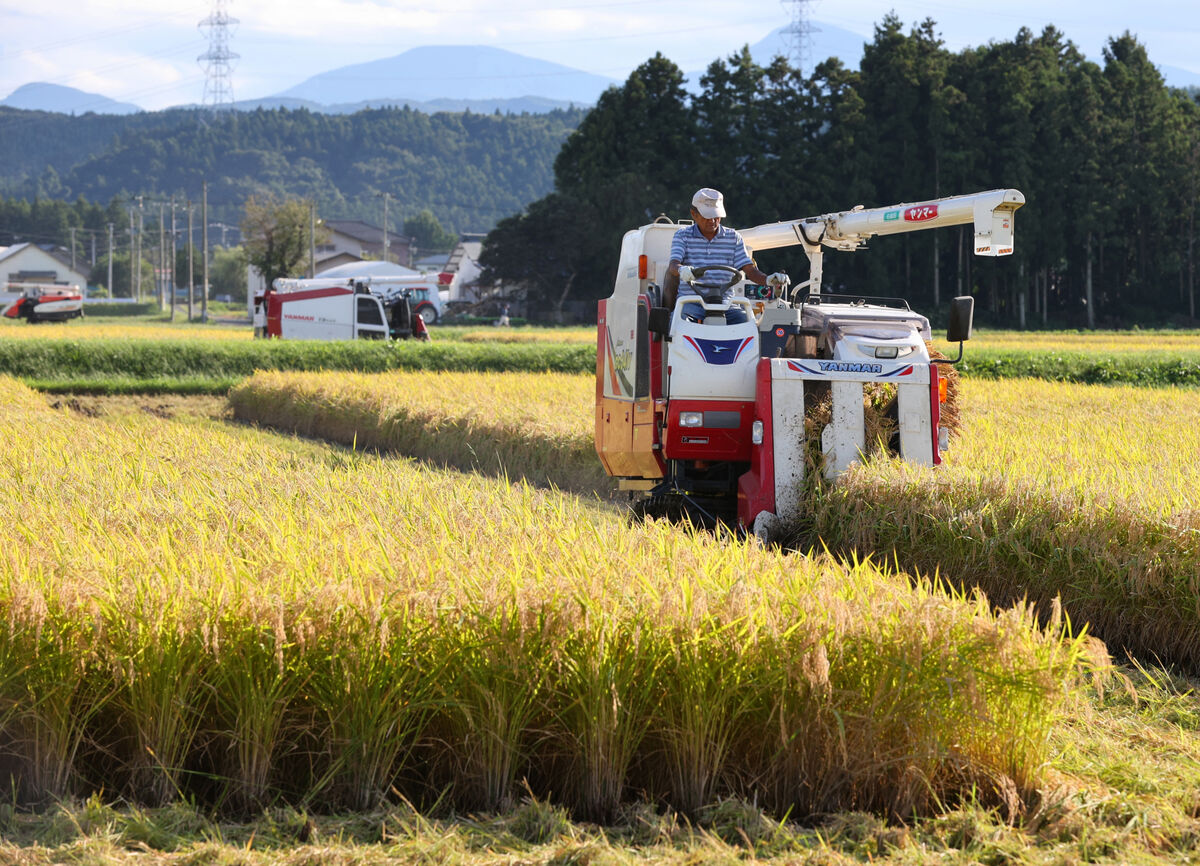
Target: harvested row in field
1088, 492
535, 427
244, 619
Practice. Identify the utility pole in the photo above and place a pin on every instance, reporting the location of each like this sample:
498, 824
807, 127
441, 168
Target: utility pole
204, 255
162, 253
191, 272
72, 229
386, 258
171, 259
312, 238
137, 265
131, 290
108, 285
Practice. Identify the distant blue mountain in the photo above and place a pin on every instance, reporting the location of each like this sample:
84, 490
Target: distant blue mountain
828, 40
455, 72
469, 77
522, 105
1177, 77
39, 96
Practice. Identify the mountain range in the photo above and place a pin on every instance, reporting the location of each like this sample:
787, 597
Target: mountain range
40, 96
432, 78
478, 78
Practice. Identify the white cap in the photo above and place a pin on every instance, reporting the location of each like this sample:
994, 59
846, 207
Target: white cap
709, 203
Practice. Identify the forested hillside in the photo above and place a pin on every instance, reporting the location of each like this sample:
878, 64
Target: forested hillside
470, 170
1107, 156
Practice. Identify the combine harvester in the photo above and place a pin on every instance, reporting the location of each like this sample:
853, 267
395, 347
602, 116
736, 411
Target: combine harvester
707, 420
44, 302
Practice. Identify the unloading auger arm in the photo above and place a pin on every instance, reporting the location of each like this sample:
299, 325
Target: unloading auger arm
991, 212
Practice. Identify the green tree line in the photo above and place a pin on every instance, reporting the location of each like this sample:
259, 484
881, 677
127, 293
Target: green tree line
1106, 155
469, 170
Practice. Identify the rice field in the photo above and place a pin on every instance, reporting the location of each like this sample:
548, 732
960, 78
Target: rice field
102, 328
1052, 489
243, 618
211, 621
124, 329
535, 427
525, 335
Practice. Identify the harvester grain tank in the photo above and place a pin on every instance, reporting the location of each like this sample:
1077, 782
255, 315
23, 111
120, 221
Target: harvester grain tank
708, 418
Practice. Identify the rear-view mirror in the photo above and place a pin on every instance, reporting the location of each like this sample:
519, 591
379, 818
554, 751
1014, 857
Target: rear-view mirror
962, 314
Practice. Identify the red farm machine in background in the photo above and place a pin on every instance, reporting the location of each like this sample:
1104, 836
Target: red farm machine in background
707, 419
44, 302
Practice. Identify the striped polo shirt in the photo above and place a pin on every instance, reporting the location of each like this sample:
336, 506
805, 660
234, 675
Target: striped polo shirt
693, 249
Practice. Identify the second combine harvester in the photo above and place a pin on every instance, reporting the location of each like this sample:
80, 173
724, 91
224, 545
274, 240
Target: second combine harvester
707, 418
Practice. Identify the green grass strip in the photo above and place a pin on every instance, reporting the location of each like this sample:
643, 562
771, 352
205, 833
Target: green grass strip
59, 360
1154, 369
54, 364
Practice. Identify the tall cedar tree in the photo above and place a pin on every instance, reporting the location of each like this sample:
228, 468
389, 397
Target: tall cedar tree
1108, 158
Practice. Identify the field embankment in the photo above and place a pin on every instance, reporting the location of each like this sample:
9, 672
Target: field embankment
232, 616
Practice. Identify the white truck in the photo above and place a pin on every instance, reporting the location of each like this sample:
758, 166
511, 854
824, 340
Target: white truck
349, 308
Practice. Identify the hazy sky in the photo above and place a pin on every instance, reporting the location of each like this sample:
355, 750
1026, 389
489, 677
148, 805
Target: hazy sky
145, 51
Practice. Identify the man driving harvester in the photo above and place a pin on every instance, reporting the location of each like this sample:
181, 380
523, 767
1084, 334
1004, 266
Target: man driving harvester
704, 244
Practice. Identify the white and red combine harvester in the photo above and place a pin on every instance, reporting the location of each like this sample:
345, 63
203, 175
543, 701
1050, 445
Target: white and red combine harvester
707, 418
348, 309
44, 302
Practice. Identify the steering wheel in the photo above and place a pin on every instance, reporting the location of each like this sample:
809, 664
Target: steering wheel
735, 277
